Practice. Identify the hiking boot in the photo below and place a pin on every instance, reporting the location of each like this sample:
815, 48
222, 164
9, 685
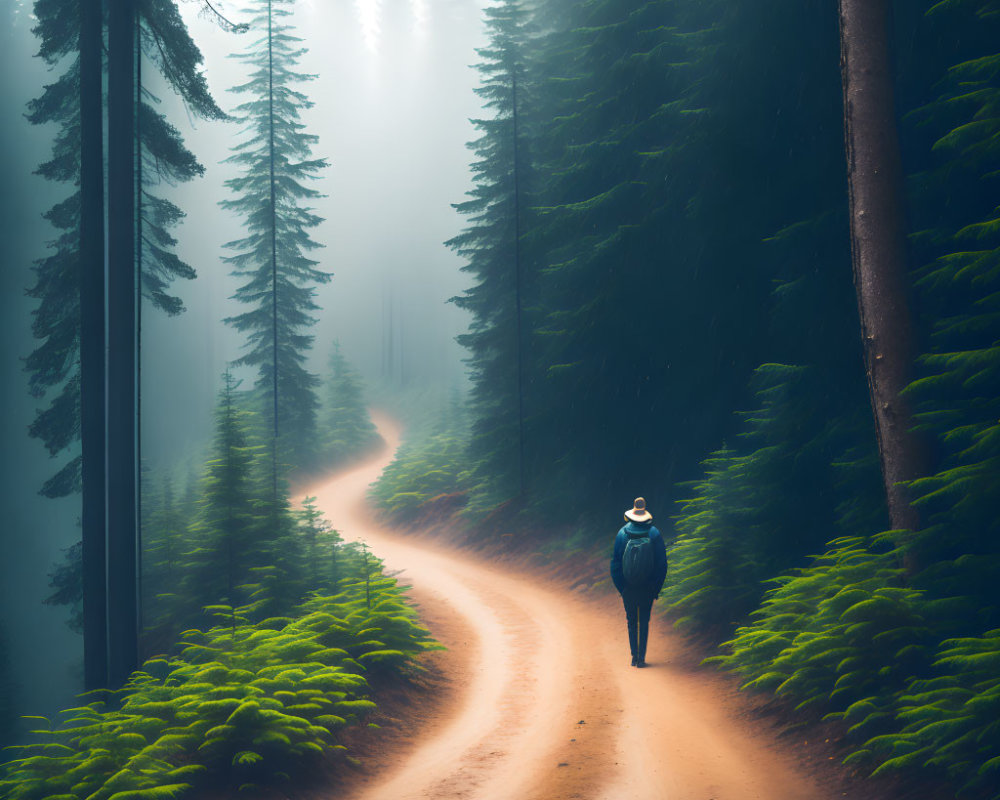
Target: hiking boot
639, 662
635, 661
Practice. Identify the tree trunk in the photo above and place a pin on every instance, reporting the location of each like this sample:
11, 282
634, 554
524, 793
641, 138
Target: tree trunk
92, 397
122, 552
878, 247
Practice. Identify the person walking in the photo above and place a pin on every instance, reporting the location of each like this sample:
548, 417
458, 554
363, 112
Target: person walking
638, 570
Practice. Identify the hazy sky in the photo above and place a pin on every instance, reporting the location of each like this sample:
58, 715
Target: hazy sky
393, 96
392, 101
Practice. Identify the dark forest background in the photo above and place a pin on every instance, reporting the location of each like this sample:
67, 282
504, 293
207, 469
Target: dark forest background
664, 306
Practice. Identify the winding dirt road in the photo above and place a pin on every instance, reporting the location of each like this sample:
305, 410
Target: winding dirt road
544, 704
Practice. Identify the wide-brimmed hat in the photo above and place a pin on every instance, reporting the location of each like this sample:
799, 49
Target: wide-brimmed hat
638, 512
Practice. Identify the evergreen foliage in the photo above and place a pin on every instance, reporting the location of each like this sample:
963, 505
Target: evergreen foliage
844, 633
908, 659
316, 533
687, 241
209, 548
780, 494
957, 239
349, 429
613, 86
648, 140
275, 157
431, 462
66, 583
656, 239
500, 331
950, 722
246, 703
228, 538
53, 366
163, 555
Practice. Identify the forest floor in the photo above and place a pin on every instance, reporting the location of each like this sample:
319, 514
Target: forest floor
534, 698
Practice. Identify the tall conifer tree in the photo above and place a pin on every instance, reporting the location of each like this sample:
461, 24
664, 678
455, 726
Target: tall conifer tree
276, 163
68, 364
227, 536
54, 364
492, 245
350, 430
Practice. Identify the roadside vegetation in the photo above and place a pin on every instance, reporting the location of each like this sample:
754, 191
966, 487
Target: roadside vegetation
262, 695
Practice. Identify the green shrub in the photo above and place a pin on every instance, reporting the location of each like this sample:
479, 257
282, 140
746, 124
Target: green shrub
430, 463
951, 722
244, 703
843, 634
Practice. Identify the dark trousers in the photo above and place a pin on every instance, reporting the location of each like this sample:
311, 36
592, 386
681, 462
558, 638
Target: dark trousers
637, 611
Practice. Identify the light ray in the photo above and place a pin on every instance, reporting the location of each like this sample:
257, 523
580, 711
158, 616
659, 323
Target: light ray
370, 19
421, 16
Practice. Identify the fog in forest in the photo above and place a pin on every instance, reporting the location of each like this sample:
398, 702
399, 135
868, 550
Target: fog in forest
392, 101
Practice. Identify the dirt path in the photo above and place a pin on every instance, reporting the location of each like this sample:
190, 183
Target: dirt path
544, 705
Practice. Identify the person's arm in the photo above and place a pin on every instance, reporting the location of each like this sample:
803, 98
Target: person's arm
617, 575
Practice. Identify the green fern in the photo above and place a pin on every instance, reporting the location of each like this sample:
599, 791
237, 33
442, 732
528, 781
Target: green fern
248, 700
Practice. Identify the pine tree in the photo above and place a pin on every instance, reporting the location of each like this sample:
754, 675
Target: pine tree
349, 429
66, 583
800, 473
615, 283
317, 536
54, 364
276, 163
228, 538
68, 364
492, 244
167, 46
164, 545
134, 25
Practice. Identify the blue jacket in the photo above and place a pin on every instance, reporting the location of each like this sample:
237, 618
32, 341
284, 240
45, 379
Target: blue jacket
659, 554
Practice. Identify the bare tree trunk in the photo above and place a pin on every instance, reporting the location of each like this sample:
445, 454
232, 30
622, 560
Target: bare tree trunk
123, 617
92, 396
878, 247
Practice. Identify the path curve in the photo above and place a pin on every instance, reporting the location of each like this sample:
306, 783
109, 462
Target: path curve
547, 707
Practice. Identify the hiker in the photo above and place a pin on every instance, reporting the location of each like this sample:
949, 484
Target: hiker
638, 569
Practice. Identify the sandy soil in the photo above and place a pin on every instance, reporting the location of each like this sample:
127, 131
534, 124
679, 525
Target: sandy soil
541, 702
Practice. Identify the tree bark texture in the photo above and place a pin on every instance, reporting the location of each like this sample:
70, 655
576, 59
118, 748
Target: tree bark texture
878, 247
123, 632
92, 396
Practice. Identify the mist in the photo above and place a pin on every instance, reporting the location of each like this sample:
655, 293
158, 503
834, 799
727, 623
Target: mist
392, 102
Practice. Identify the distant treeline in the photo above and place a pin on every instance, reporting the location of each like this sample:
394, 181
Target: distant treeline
662, 300
206, 533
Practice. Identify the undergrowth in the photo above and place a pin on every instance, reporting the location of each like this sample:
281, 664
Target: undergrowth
245, 704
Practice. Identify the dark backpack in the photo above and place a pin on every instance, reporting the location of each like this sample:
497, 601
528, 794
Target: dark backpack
637, 560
